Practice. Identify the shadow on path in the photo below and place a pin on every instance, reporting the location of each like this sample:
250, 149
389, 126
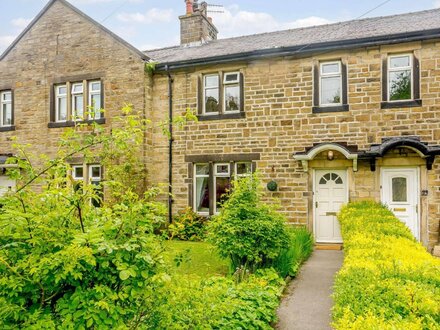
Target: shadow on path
307, 304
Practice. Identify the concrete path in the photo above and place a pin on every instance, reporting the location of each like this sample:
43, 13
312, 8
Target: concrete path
308, 302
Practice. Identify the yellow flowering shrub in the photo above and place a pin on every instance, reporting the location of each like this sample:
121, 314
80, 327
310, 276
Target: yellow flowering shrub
388, 279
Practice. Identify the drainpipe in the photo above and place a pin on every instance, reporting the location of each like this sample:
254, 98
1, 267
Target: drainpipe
170, 145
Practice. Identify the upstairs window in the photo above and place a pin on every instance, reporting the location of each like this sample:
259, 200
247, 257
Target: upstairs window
95, 100
400, 81
330, 87
331, 84
221, 96
400, 77
6, 116
77, 101
61, 103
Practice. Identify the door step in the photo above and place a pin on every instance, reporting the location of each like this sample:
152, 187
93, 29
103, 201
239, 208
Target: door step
321, 246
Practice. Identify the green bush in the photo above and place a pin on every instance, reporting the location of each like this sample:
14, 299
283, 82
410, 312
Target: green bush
249, 232
188, 226
388, 280
299, 249
218, 303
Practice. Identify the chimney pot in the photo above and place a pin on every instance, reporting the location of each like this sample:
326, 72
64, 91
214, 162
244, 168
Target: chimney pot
189, 7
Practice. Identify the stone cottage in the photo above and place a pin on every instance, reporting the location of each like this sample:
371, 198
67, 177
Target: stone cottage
327, 114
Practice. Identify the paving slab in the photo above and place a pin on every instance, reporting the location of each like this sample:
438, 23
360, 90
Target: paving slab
307, 303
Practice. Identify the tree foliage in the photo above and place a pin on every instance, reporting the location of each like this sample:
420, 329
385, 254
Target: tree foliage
67, 264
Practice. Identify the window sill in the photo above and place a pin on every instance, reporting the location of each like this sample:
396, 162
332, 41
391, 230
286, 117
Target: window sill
7, 128
336, 108
71, 123
236, 115
401, 104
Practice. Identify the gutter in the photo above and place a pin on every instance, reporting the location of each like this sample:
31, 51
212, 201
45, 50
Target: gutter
304, 50
170, 145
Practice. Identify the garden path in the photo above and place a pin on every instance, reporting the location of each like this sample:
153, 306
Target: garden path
308, 303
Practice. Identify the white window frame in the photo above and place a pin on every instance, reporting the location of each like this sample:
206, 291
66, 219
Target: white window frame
74, 95
209, 88
4, 102
400, 68
77, 178
245, 174
96, 112
330, 75
229, 84
195, 176
219, 175
95, 178
59, 96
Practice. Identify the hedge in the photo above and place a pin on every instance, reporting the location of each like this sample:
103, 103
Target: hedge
388, 280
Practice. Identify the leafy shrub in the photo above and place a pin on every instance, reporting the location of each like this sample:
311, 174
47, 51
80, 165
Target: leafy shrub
66, 264
218, 303
248, 231
188, 226
299, 249
388, 280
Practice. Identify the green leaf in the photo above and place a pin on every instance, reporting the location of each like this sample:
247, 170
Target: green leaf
124, 274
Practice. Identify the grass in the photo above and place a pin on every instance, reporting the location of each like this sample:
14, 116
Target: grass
196, 258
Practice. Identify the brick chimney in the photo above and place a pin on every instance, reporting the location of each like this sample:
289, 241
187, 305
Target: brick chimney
196, 27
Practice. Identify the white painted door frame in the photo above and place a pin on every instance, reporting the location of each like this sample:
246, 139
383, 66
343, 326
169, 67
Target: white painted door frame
316, 172
408, 209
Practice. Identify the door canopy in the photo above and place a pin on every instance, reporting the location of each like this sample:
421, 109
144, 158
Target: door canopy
410, 142
317, 149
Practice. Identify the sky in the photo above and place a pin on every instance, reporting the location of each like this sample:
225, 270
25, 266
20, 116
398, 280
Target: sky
148, 24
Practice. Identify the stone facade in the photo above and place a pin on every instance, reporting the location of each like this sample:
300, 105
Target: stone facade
279, 123
64, 45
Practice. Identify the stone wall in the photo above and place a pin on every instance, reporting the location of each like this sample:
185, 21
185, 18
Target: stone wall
62, 45
279, 122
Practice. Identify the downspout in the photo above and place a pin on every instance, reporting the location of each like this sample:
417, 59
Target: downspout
170, 145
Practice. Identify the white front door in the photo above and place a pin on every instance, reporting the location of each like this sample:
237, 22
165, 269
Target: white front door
400, 192
330, 193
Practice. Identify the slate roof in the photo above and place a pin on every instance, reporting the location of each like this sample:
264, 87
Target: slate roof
303, 39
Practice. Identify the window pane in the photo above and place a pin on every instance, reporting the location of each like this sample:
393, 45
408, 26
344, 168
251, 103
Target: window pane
78, 103
202, 169
78, 172
77, 88
244, 168
99, 194
330, 68
401, 61
62, 90
221, 190
7, 96
331, 90
95, 86
232, 98
202, 195
400, 85
211, 100
222, 168
399, 189
62, 108
231, 77
95, 172
7, 114
211, 81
